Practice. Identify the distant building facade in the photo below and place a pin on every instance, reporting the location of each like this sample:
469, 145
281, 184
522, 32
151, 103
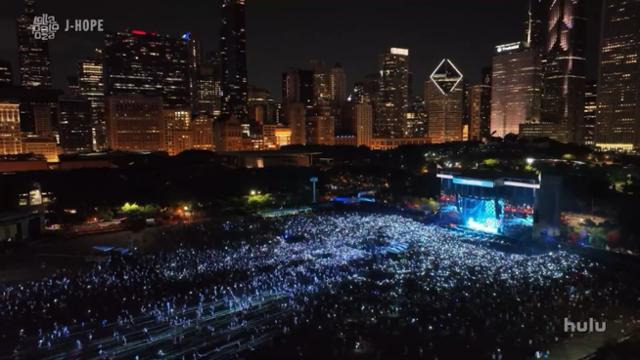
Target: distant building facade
135, 123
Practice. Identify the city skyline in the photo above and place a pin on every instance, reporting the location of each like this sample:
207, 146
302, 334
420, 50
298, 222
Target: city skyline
272, 48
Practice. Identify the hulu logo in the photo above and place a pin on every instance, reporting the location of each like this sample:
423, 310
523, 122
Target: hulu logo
590, 326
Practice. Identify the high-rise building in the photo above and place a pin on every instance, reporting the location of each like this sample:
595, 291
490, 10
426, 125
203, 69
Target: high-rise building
262, 106
363, 116
179, 131
618, 117
444, 103
565, 68
536, 25
135, 123
91, 86
33, 54
208, 94
10, 139
590, 110
6, 75
74, 124
202, 127
145, 63
297, 87
479, 111
516, 88
227, 134
43, 119
338, 85
233, 59
321, 126
296, 120
392, 101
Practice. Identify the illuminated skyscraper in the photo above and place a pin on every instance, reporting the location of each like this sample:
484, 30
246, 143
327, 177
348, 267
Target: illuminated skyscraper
565, 69
208, 96
10, 139
33, 54
480, 109
618, 117
536, 25
91, 86
321, 126
233, 60
6, 75
145, 63
516, 88
392, 100
590, 107
444, 103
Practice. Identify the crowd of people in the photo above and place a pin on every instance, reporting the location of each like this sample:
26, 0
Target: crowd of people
376, 284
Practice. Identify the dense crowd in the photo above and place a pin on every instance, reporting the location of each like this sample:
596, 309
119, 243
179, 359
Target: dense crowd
349, 279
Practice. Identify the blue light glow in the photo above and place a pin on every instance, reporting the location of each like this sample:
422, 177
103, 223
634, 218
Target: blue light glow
186, 36
473, 182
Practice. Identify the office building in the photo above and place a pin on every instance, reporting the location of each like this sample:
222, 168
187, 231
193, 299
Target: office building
262, 107
363, 116
145, 63
33, 54
296, 120
516, 88
208, 93
45, 146
618, 117
179, 131
321, 126
135, 123
480, 108
233, 60
444, 103
590, 111
202, 127
6, 75
91, 86
392, 101
227, 135
297, 87
10, 138
565, 69
75, 125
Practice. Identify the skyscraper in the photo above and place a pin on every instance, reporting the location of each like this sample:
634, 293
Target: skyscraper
208, 98
296, 120
179, 131
590, 110
536, 25
363, 119
91, 86
145, 63
392, 100
565, 69
297, 87
33, 54
516, 88
618, 117
6, 75
338, 85
321, 126
480, 109
10, 139
444, 102
74, 123
233, 60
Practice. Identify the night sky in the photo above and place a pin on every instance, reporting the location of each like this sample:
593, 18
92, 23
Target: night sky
285, 33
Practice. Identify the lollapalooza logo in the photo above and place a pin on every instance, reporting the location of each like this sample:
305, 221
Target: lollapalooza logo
44, 27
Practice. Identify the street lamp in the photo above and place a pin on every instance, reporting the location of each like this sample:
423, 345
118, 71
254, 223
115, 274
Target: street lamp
314, 181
